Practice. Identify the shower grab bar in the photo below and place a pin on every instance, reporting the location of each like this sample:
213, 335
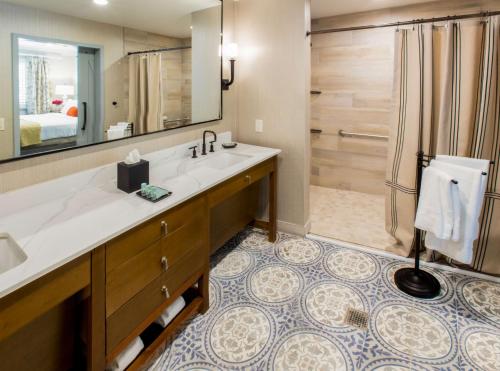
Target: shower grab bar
345, 134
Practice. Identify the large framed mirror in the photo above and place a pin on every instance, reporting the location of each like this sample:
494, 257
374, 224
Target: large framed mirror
83, 72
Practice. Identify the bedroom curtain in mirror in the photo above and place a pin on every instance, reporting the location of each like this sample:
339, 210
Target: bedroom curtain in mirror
145, 92
36, 85
447, 103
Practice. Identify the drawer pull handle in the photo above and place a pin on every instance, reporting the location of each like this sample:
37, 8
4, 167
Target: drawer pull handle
164, 289
164, 227
164, 263
248, 178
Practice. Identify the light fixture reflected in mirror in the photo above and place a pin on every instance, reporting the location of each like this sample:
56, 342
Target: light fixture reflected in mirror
230, 51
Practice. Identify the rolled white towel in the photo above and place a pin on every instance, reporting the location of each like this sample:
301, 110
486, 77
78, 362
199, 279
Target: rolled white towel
169, 314
125, 358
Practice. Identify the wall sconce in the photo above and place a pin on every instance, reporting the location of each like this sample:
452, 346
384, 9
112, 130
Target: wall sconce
231, 52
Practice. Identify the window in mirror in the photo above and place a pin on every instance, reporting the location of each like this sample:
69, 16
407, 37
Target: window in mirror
88, 74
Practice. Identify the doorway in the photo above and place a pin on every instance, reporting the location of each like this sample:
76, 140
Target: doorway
57, 94
351, 108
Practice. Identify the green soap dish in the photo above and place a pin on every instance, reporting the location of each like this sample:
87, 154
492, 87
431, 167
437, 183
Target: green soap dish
155, 194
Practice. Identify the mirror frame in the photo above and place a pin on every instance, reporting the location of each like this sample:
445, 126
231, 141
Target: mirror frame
50, 152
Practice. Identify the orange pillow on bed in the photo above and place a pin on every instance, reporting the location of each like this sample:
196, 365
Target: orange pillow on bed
73, 112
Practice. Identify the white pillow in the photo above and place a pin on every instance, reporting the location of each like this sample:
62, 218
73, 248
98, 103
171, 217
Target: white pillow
67, 105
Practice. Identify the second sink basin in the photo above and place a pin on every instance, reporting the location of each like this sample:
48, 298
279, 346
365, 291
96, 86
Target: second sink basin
11, 255
219, 160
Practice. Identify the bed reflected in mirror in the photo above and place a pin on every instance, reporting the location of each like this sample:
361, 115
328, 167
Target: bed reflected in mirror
89, 74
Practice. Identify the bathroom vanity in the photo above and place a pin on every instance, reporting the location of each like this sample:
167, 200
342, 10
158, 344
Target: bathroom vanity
102, 265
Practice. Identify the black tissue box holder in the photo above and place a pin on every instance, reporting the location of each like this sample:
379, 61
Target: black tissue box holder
130, 177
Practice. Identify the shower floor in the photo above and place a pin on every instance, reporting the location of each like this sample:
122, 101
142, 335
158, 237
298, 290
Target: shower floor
350, 216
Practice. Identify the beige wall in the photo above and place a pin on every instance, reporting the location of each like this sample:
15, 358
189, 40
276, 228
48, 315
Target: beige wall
23, 173
273, 84
354, 70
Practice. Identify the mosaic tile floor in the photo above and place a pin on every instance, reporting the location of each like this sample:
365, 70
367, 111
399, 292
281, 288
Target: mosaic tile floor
350, 216
282, 307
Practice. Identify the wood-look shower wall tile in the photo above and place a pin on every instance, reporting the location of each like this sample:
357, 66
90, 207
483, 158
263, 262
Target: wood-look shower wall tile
354, 72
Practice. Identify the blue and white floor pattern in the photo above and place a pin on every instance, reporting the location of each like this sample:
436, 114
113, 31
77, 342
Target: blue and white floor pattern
282, 306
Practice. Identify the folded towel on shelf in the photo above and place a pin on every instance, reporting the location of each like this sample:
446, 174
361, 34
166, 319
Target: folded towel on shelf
169, 314
460, 247
473, 163
116, 132
125, 358
438, 209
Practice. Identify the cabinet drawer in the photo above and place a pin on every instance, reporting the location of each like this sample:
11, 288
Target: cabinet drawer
183, 214
194, 261
125, 247
132, 243
133, 313
191, 236
126, 280
129, 316
239, 182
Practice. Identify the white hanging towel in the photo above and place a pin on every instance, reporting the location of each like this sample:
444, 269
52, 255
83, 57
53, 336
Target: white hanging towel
473, 163
438, 209
460, 247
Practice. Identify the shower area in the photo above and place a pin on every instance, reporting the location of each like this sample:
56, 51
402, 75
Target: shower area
379, 95
351, 110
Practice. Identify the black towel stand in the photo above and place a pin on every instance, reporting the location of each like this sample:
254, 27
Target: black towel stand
414, 281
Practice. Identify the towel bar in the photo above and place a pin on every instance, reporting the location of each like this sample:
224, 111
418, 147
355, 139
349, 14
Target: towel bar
345, 134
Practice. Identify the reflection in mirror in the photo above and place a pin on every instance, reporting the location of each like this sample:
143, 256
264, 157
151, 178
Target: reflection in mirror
76, 73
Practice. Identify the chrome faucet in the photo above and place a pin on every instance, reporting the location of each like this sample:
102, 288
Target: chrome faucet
204, 146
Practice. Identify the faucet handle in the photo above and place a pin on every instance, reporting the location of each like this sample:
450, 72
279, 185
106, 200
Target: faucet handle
194, 151
212, 145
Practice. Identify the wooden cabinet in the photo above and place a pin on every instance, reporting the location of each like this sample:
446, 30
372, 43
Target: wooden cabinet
239, 182
153, 264
146, 267
40, 324
125, 285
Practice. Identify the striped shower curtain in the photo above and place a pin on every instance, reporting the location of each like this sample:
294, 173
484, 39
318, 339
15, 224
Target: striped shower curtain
446, 102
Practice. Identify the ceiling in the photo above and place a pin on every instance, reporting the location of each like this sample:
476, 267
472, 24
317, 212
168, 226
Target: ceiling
327, 8
166, 17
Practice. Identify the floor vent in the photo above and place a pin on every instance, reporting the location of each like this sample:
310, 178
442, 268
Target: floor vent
356, 318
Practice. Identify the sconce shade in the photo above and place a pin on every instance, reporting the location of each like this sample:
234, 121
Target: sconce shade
231, 51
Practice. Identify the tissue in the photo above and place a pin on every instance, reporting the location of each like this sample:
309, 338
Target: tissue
133, 157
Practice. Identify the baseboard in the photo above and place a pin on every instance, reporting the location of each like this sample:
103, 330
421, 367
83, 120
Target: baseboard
292, 228
386, 254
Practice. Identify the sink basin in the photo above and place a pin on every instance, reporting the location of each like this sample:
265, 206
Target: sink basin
219, 161
11, 255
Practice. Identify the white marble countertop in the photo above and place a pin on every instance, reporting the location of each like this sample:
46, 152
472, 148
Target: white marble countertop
57, 221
